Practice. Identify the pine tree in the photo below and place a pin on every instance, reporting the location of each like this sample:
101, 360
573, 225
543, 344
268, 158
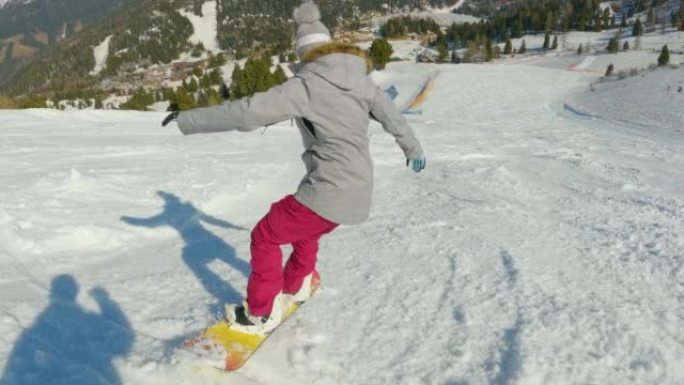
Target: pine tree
496, 52
566, 24
579, 50
193, 86
488, 50
623, 23
202, 100
664, 57
205, 82
261, 71
651, 18
7, 103
605, 17
455, 59
380, 52
472, 51
638, 29
625, 46
443, 52
224, 91
220, 59
183, 100
609, 70
598, 24
613, 45
140, 101
518, 29
255, 77
523, 47
508, 48
279, 76
550, 21
215, 77
554, 45
213, 97
546, 40
238, 83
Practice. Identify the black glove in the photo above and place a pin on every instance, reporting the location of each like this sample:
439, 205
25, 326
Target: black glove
225, 92
170, 118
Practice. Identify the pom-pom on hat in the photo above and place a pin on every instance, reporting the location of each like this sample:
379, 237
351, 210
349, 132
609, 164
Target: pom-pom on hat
311, 31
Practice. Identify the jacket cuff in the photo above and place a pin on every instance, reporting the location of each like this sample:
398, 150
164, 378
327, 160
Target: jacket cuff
414, 152
184, 124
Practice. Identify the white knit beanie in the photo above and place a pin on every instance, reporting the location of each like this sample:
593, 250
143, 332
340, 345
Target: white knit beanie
311, 31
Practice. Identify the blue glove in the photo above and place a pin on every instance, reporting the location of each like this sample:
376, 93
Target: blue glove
418, 164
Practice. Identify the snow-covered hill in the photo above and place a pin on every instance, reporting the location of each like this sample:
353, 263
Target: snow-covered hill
539, 247
204, 26
4, 3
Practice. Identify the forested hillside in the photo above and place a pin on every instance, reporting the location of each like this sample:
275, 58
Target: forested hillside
242, 23
154, 31
149, 32
27, 28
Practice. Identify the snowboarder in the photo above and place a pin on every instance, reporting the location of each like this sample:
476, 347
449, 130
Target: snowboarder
332, 99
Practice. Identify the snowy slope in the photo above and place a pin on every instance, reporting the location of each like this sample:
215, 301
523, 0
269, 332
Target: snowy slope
101, 53
444, 19
594, 44
4, 3
204, 26
539, 247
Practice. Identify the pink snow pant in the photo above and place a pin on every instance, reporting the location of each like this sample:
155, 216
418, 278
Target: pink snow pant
288, 222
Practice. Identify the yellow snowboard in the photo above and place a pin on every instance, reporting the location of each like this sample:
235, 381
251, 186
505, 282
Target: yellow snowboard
229, 349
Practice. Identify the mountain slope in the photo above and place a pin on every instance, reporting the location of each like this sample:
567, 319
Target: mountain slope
148, 32
27, 28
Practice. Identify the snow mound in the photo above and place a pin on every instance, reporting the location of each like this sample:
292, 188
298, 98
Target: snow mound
652, 100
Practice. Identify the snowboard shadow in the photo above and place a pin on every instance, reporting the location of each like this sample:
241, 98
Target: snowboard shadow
201, 248
69, 345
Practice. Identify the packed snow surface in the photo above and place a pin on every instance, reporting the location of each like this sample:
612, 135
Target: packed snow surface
540, 246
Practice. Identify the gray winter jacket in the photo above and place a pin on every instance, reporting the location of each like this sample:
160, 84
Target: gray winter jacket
332, 98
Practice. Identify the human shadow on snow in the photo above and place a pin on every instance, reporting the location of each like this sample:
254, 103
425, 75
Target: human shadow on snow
202, 247
69, 345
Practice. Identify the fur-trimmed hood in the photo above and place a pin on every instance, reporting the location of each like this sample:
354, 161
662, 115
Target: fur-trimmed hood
342, 64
